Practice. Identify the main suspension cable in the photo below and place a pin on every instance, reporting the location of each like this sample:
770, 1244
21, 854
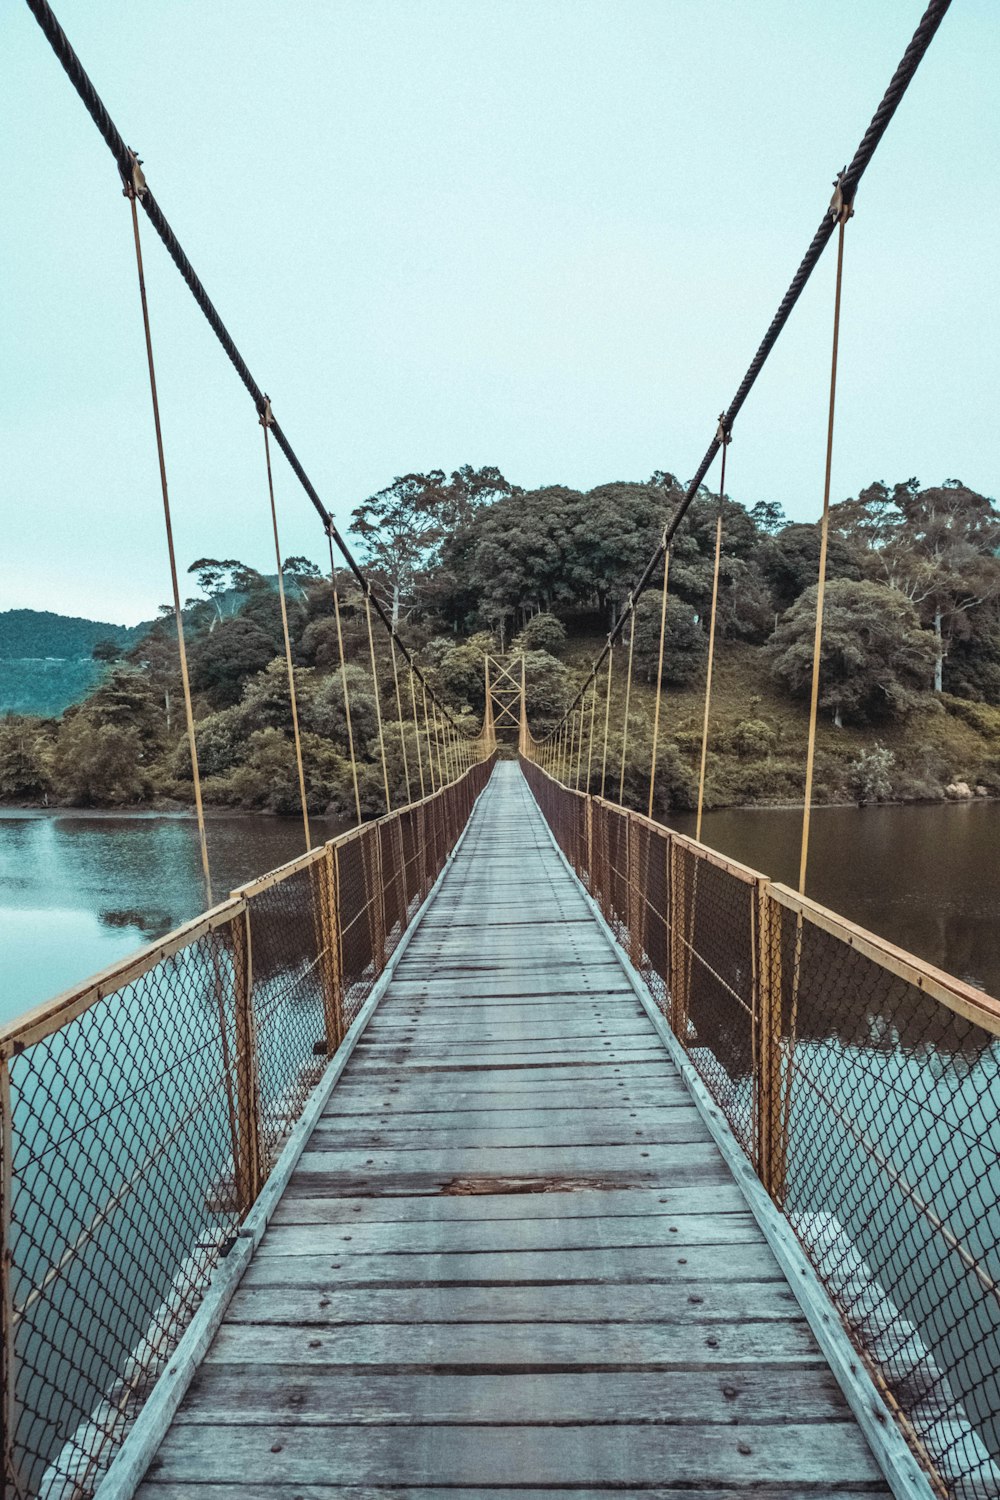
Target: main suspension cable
124, 159
133, 189
824, 532
846, 189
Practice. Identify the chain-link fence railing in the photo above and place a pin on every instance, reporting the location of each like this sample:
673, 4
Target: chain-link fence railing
142, 1112
863, 1084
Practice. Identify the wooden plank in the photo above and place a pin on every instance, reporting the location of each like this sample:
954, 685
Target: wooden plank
538, 1346
704, 1197
609, 1268
552, 1065
615, 1162
434, 1017
567, 1029
666, 1397
157, 1488
409, 1183
678, 1124
578, 1302
694, 1454
414, 1125
513, 1234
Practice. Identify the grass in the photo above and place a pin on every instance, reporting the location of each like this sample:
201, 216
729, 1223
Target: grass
944, 741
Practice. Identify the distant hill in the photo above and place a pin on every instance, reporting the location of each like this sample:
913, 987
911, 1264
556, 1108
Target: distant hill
45, 658
39, 632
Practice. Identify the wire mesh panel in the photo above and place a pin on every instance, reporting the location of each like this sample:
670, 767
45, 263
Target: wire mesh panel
890, 1146
141, 1113
120, 1131
713, 983
865, 1087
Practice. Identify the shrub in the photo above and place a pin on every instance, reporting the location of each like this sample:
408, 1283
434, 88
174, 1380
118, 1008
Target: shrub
869, 776
543, 632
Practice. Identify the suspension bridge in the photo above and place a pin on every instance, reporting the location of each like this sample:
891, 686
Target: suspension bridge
508, 1141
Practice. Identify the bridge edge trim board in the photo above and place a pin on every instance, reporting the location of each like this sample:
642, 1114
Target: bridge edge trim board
903, 1474
129, 1465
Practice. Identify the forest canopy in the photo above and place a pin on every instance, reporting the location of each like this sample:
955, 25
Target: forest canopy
468, 562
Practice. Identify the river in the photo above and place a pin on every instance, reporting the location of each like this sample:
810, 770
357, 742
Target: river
925, 876
78, 891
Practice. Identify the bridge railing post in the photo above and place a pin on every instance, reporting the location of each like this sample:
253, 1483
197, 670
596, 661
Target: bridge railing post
327, 896
246, 1147
770, 1134
678, 945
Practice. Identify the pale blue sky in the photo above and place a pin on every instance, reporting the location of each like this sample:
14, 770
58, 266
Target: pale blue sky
545, 234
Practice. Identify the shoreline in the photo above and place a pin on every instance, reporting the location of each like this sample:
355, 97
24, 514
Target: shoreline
12, 812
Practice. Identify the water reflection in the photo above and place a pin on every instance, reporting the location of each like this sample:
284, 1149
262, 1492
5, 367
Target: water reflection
79, 892
925, 877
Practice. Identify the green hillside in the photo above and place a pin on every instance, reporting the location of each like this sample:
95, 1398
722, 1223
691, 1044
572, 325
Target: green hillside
46, 662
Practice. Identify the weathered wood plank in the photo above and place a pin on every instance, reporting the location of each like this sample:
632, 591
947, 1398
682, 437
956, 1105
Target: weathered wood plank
680, 1124
608, 1268
615, 1162
581, 1302
693, 1454
503, 1235
297, 1207
540, 1347
665, 1397
171, 1489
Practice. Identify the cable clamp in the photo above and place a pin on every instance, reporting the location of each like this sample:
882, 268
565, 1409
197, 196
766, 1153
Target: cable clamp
723, 434
841, 208
135, 181
264, 412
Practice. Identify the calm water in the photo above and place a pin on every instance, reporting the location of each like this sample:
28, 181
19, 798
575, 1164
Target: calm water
925, 877
78, 892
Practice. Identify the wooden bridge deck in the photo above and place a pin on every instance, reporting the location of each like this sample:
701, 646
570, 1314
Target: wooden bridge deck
511, 1256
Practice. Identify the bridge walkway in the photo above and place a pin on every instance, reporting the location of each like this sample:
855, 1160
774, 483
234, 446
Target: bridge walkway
511, 1255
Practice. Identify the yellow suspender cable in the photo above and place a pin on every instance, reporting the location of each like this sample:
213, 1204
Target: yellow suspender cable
265, 422
343, 682
844, 212
134, 189
427, 733
399, 712
659, 679
607, 718
579, 749
590, 741
724, 439
416, 736
628, 699
378, 705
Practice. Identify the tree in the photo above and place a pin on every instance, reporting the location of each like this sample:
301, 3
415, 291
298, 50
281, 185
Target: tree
790, 562
107, 650
125, 700
543, 632
875, 657
768, 516
225, 584
403, 526
99, 764
299, 573
685, 645
548, 690
24, 758
221, 662
936, 546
